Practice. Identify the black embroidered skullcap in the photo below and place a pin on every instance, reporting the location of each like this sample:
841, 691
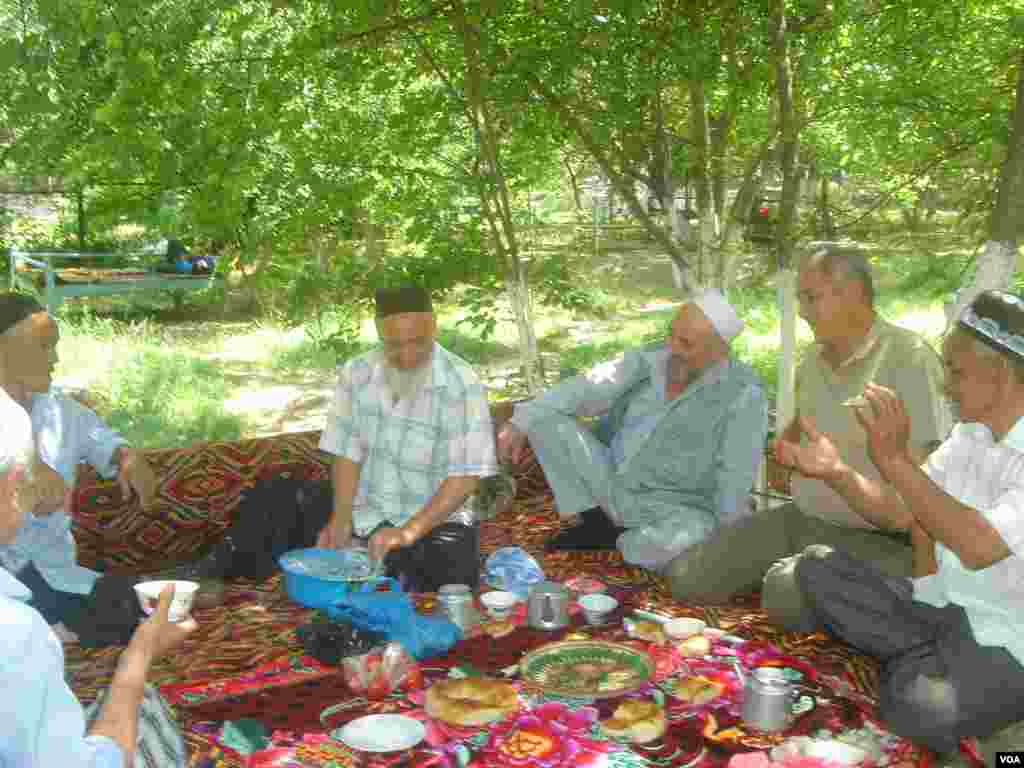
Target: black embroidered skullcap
997, 318
15, 307
402, 299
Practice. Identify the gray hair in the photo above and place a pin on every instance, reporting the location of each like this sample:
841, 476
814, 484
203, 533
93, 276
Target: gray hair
841, 262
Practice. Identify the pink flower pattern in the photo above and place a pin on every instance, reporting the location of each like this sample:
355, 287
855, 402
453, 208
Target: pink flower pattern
549, 736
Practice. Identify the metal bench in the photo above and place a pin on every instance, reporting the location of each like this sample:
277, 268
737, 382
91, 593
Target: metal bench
55, 292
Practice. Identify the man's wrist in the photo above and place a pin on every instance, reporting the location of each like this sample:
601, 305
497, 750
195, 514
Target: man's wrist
894, 466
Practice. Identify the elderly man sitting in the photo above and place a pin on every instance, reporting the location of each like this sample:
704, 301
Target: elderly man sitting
952, 639
41, 721
411, 433
854, 345
42, 556
685, 423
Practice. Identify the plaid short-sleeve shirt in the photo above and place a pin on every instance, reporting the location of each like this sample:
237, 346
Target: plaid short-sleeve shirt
407, 449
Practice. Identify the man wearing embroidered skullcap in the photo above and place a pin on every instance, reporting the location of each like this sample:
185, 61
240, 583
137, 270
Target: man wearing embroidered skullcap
43, 724
674, 456
66, 433
853, 346
411, 434
951, 638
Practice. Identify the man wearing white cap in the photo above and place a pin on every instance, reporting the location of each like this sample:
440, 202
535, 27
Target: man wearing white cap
853, 346
680, 437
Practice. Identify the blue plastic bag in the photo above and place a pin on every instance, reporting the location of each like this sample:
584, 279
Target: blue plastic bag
513, 569
393, 615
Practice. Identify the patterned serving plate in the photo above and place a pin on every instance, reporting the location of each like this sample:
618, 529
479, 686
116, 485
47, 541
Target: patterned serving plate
587, 668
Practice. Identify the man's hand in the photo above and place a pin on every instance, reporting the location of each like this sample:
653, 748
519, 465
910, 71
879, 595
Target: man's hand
337, 534
511, 444
887, 425
136, 475
387, 539
156, 635
817, 458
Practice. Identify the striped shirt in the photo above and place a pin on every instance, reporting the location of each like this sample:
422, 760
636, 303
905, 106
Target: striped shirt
407, 449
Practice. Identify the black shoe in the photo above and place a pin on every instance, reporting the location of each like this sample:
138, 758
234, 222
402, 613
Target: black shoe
594, 531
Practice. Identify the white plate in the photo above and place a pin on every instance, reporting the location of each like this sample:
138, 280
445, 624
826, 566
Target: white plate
381, 733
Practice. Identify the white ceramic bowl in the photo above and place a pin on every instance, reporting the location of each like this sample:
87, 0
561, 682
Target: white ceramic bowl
181, 603
597, 607
682, 628
499, 603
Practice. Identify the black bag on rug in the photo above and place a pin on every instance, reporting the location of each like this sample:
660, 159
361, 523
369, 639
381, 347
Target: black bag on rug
274, 516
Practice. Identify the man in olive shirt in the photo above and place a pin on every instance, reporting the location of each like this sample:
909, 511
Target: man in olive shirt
853, 346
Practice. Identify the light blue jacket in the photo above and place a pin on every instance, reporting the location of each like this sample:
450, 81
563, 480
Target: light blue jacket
41, 722
66, 434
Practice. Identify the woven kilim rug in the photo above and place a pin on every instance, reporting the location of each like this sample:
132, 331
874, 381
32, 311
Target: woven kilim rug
244, 661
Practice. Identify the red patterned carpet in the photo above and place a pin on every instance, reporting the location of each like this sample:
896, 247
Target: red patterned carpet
245, 661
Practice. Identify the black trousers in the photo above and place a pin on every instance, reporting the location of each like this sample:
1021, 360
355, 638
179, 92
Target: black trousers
938, 684
55, 606
449, 554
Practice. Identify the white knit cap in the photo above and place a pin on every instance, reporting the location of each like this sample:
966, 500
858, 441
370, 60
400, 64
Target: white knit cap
719, 313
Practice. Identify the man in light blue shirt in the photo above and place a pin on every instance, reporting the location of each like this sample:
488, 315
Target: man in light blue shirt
41, 721
682, 432
42, 556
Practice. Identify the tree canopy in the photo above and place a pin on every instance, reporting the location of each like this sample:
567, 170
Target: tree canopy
417, 129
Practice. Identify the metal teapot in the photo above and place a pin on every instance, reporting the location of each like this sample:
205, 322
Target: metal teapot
768, 699
548, 606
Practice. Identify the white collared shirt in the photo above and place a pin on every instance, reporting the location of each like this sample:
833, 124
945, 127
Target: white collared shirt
988, 477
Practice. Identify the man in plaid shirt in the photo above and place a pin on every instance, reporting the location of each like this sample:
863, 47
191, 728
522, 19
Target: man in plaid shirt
411, 433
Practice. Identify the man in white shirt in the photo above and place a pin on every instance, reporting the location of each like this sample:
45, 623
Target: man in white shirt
41, 721
42, 556
952, 638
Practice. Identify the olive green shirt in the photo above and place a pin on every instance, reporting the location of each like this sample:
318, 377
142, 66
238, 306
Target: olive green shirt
893, 357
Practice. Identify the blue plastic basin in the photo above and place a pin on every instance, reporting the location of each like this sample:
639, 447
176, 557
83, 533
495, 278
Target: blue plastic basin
318, 578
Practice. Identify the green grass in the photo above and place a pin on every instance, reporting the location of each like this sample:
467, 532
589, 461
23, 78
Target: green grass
171, 399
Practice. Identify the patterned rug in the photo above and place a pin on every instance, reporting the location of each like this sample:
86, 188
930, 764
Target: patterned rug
246, 662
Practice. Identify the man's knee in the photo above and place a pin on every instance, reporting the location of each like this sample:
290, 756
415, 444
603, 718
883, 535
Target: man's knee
812, 565
784, 596
923, 709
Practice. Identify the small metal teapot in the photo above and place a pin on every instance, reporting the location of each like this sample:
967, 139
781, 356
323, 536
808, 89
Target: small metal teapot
768, 699
548, 606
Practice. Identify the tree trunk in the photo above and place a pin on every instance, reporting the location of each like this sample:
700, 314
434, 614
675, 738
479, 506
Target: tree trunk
828, 226
706, 269
678, 226
739, 213
789, 136
495, 204
574, 183
998, 260
1003, 226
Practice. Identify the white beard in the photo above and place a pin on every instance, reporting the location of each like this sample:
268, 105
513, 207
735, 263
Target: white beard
405, 384
679, 373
